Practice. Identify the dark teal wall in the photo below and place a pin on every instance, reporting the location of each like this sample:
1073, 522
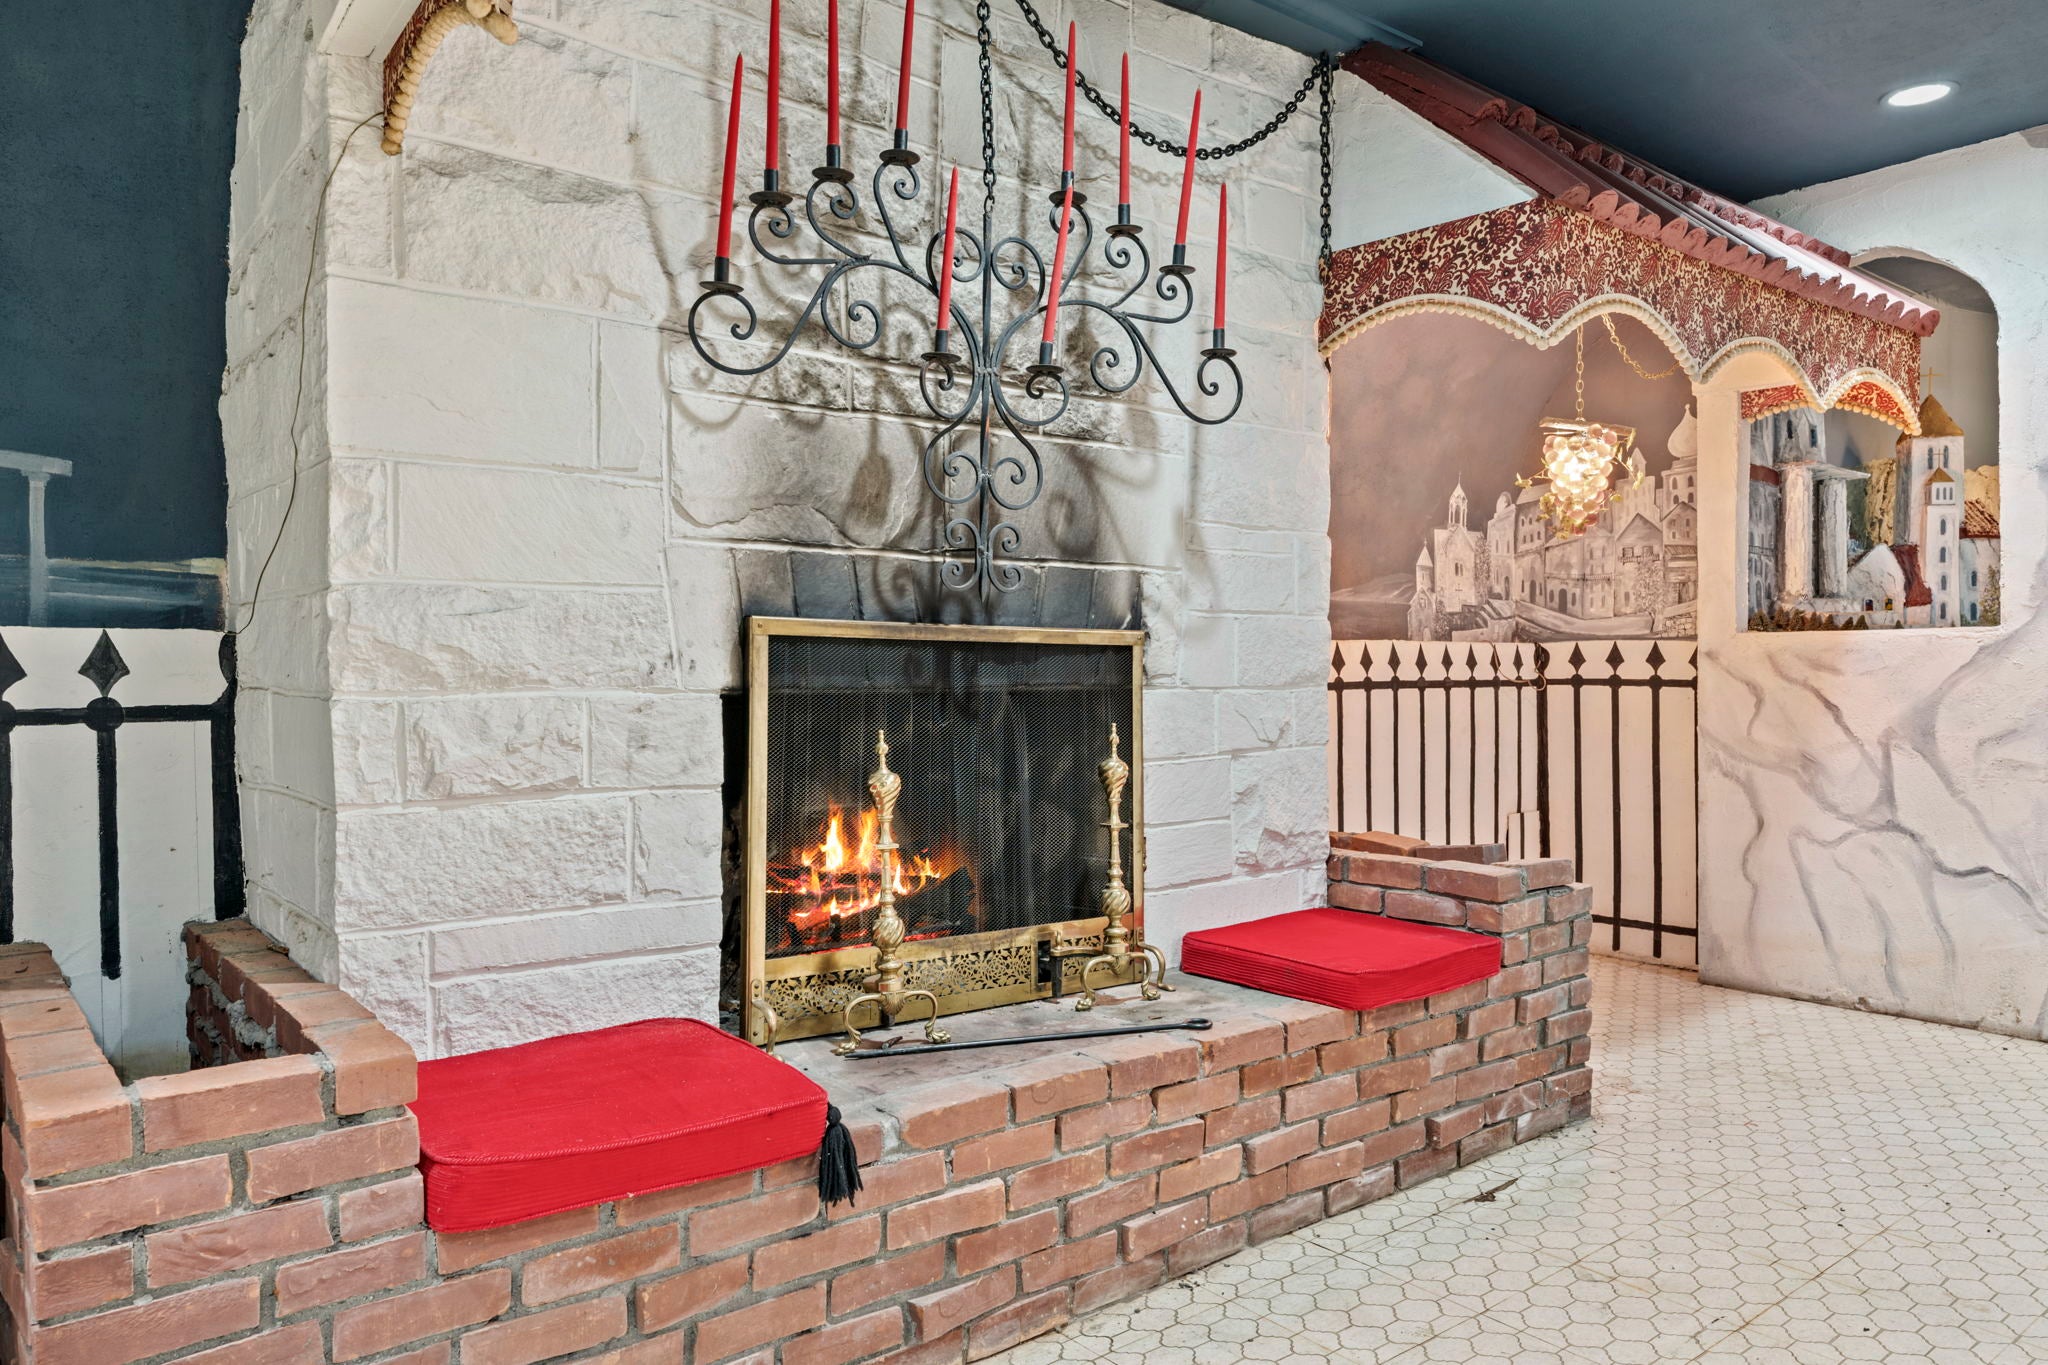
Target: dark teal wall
119, 131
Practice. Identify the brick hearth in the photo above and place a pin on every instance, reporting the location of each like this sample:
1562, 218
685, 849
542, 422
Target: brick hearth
263, 1208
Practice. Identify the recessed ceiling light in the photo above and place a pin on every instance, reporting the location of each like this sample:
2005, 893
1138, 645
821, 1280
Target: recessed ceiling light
1920, 94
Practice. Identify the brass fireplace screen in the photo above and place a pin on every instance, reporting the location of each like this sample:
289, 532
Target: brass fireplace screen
1001, 846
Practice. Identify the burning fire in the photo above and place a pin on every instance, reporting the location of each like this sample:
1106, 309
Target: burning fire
835, 882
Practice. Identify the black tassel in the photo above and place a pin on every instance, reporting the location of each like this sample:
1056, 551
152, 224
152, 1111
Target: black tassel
838, 1165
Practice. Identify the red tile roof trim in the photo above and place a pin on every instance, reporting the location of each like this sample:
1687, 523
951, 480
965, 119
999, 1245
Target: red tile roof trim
1570, 168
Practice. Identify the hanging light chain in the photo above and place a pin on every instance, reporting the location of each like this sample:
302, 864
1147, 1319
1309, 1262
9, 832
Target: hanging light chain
1615, 337
1579, 374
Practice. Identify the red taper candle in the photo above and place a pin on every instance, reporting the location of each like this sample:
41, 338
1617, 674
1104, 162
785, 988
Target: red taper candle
1222, 249
832, 74
1187, 175
772, 161
1067, 135
903, 72
1123, 140
946, 254
732, 161
1059, 267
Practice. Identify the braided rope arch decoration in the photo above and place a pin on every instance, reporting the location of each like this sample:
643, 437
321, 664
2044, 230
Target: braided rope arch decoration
424, 33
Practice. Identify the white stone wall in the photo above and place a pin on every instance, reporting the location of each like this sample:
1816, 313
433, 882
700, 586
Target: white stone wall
1871, 804
489, 663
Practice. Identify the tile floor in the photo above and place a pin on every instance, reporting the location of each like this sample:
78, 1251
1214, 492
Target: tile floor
1764, 1180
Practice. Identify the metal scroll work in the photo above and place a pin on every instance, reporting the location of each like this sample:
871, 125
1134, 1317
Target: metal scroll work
979, 463
884, 989
1118, 948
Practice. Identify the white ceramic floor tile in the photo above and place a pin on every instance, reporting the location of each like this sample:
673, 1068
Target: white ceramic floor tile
1765, 1181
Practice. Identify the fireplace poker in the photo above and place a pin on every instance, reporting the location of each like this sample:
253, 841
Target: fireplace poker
1058, 1036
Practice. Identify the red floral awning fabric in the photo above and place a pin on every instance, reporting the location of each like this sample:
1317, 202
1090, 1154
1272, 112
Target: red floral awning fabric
1541, 268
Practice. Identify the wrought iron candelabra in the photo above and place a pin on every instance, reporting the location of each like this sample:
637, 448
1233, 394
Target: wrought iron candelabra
979, 462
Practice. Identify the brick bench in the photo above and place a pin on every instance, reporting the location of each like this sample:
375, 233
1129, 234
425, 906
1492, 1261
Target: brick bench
264, 1210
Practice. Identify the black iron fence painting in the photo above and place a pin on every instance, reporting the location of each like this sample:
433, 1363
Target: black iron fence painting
1583, 750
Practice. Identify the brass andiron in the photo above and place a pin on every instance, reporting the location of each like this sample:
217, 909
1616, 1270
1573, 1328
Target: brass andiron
885, 986
1118, 949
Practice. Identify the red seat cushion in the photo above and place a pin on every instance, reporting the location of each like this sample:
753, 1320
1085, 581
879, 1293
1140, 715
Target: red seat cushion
518, 1132
1343, 958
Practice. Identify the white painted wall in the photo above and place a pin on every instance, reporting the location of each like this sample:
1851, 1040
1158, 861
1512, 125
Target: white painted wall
164, 818
1399, 172
487, 670
1871, 803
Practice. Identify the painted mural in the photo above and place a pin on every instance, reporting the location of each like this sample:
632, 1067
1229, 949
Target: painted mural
1436, 527
113, 495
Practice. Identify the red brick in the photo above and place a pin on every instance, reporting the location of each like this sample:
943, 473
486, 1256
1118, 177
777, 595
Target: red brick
373, 1067
1206, 1248
70, 1120
1318, 1169
743, 1330
1564, 1027
385, 1323
615, 1260
1564, 966
1204, 1173
1001, 1151
1507, 918
934, 1315
802, 1170
888, 1277
28, 1018
1242, 1196
1551, 938
1312, 1098
1191, 1098
1067, 1261
847, 1341
895, 1181
60, 1288
1390, 1078
1568, 902
1542, 1004
940, 1115
1485, 1080
1052, 1085
1009, 1240
1351, 896
1486, 1142
970, 1206
332, 1158
1368, 869
1057, 1179
204, 1250
1381, 1148
455, 1251
1426, 1165
1241, 1120
220, 1102
1456, 999
642, 1208
1514, 980
546, 1335
1348, 1054
1117, 1284
729, 1225
1413, 1104
51, 1052
662, 1350
377, 1209
1532, 1066
1453, 1126
1453, 1057
1546, 1120
68, 1214
1238, 1042
1580, 1052
1474, 881
950, 1349
296, 1345
158, 1326
1582, 934
1020, 1322
1091, 1212
1264, 1153
1424, 908
1158, 1147
346, 1274
1542, 873
1359, 1190
1577, 1081
1290, 1215
1392, 1016
1509, 1041
1310, 1026
663, 1303
1508, 1103
778, 1263
1277, 1073
1143, 1064
1430, 1033
1086, 1127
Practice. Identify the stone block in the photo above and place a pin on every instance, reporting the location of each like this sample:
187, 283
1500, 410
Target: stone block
655, 741
512, 526
500, 1010
410, 639
491, 746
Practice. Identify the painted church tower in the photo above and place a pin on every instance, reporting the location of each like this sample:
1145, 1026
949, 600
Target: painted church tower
1937, 449
1940, 531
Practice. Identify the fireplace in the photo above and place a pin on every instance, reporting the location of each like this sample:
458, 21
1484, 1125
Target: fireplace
996, 738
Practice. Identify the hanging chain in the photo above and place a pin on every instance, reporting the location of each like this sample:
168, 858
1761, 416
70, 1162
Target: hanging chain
1615, 337
1323, 256
1151, 139
984, 42
1579, 382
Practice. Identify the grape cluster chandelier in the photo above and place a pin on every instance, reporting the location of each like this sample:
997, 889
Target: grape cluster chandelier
979, 462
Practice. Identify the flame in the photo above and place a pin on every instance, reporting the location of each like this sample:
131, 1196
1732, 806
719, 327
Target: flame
834, 883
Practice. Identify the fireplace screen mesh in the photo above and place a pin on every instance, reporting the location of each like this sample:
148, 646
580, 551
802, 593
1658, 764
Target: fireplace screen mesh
997, 737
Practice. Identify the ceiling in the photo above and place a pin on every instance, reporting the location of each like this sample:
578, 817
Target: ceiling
1744, 97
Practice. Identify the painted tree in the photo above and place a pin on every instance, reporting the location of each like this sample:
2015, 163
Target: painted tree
1881, 502
1988, 603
